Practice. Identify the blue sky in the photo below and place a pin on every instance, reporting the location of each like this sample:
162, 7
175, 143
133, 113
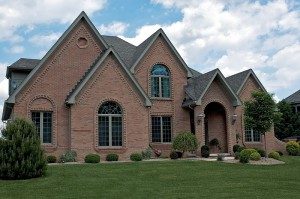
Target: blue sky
233, 35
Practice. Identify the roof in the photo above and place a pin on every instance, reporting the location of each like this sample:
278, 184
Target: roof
23, 64
293, 98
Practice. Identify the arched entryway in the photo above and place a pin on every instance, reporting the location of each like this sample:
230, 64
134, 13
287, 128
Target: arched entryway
215, 127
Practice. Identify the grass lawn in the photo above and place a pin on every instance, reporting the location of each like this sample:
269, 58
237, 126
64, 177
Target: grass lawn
169, 179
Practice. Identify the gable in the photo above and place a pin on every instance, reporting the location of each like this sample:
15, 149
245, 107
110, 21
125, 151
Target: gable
249, 86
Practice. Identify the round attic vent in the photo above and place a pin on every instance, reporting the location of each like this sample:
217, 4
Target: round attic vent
82, 42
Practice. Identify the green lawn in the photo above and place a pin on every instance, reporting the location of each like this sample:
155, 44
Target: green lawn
169, 179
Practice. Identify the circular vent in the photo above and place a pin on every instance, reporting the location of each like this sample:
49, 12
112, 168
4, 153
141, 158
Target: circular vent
82, 42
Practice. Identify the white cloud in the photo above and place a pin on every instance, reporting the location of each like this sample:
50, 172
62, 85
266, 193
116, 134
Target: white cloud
114, 28
45, 40
3, 90
16, 49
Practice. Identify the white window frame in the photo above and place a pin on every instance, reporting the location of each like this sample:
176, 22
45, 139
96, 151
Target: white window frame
42, 125
252, 136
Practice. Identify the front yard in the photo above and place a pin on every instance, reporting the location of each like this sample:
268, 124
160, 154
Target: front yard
165, 179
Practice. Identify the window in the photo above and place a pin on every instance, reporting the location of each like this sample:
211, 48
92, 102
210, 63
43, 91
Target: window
161, 129
110, 124
251, 135
43, 123
160, 81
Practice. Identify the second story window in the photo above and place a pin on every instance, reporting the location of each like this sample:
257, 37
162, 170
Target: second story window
160, 81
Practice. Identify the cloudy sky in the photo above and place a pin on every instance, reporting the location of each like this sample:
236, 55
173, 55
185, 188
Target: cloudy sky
232, 35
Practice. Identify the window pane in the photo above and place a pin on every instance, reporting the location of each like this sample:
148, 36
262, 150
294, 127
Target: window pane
166, 129
116, 128
156, 134
256, 136
110, 107
298, 109
47, 127
155, 86
165, 86
248, 135
35, 116
160, 70
103, 130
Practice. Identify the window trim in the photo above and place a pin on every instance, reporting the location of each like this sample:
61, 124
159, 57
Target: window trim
161, 129
252, 136
160, 83
41, 113
110, 130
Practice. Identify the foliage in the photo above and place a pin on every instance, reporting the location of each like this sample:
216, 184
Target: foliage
261, 152
92, 158
255, 156
21, 155
179, 154
293, 148
112, 157
173, 155
205, 151
147, 153
237, 155
275, 155
185, 141
136, 157
245, 155
236, 148
280, 153
51, 159
220, 157
214, 142
68, 156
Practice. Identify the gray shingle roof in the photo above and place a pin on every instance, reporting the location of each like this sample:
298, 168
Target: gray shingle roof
235, 81
23, 64
293, 98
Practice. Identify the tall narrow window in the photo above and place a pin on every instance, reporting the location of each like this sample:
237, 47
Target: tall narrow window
160, 81
43, 123
251, 135
110, 124
161, 129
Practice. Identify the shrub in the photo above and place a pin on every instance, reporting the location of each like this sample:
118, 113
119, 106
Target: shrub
179, 154
21, 154
274, 155
205, 151
241, 148
261, 152
136, 157
185, 141
220, 157
112, 157
51, 159
280, 153
147, 153
245, 155
92, 158
236, 148
68, 156
292, 147
237, 155
255, 156
214, 142
173, 155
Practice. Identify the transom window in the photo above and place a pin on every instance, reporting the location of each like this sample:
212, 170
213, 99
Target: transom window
43, 123
161, 129
251, 135
110, 124
160, 81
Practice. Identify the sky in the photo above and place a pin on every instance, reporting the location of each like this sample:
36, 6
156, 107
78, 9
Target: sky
232, 35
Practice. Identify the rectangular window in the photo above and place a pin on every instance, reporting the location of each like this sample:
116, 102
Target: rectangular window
103, 131
251, 135
43, 123
161, 129
165, 87
297, 109
155, 86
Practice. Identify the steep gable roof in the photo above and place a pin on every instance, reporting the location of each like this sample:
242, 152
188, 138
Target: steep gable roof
293, 98
72, 97
237, 81
23, 64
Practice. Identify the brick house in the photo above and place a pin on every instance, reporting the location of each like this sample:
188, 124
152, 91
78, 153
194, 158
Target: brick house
100, 94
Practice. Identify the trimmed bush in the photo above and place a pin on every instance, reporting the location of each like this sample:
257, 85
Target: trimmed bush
147, 153
245, 155
173, 155
236, 148
68, 156
112, 157
51, 159
21, 154
274, 155
261, 152
92, 158
237, 155
293, 148
255, 156
136, 157
240, 149
214, 142
179, 154
280, 153
205, 151
185, 141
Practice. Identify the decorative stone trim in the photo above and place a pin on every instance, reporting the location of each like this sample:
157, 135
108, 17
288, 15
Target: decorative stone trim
82, 42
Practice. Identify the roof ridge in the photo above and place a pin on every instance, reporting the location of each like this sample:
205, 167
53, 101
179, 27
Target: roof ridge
247, 70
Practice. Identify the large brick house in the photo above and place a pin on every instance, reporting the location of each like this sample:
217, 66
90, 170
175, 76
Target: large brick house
100, 94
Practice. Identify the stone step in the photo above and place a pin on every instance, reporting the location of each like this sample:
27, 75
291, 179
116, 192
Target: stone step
216, 154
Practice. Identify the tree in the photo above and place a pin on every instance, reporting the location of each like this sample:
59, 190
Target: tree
260, 113
185, 141
21, 155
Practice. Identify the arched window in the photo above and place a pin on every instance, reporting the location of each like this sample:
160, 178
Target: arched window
110, 124
160, 81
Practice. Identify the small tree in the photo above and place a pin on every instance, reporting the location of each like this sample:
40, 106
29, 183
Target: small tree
185, 141
21, 155
260, 113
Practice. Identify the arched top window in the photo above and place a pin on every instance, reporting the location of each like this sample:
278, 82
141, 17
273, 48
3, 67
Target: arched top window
110, 107
160, 81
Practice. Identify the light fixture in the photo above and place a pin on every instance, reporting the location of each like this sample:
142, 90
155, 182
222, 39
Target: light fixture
234, 117
200, 118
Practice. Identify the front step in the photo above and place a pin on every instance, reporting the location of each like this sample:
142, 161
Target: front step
215, 155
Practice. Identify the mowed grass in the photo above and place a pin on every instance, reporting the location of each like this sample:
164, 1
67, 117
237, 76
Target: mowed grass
165, 179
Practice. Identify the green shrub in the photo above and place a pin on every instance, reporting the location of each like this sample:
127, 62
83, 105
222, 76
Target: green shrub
245, 155
136, 157
240, 149
185, 141
92, 158
237, 155
51, 159
274, 155
68, 156
112, 157
280, 153
205, 151
147, 153
173, 155
236, 148
255, 156
293, 148
21, 154
214, 142
261, 152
